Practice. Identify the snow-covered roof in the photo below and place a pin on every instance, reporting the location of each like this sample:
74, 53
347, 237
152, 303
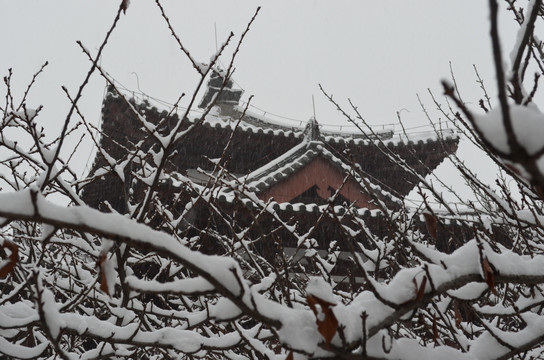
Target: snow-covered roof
229, 197
218, 121
298, 157
266, 152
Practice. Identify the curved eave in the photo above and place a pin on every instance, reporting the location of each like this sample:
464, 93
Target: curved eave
252, 147
346, 139
300, 207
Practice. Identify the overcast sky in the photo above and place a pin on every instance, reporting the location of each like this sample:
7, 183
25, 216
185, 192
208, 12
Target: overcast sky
378, 53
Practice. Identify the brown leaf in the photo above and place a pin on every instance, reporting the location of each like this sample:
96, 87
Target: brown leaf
104, 283
489, 276
514, 169
290, 356
430, 221
124, 5
539, 191
10, 265
103, 278
329, 324
421, 291
458, 318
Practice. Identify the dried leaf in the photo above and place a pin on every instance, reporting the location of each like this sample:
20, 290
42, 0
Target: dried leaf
489, 276
103, 277
539, 191
327, 324
10, 265
430, 221
104, 283
421, 291
514, 169
457, 313
124, 5
290, 356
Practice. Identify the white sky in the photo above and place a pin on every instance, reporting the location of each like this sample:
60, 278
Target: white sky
378, 53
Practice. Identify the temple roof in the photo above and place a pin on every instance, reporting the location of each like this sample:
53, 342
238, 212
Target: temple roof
254, 145
299, 157
262, 125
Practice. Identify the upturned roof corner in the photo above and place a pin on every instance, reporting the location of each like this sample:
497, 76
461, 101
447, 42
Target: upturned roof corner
311, 131
257, 143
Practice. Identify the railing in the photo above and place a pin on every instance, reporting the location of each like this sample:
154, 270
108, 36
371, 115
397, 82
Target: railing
388, 130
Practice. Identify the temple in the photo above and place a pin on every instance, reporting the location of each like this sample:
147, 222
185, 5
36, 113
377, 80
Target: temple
298, 172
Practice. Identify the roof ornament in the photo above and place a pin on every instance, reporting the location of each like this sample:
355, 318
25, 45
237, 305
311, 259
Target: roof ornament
311, 132
228, 95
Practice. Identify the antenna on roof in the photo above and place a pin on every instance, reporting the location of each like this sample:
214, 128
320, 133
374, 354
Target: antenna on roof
313, 104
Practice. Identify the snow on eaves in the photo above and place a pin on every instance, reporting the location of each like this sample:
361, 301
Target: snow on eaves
223, 122
229, 197
298, 157
275, 167
276, 128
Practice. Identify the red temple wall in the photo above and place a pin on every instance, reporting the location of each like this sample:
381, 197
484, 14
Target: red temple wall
323, 174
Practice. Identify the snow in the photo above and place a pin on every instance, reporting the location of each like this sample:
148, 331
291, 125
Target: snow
111, 276
319, 288
215, 120
203, 67
182, 286
527, 122
187, 341
22, 352
470, 291
295, 324
51, 313
114, 226
27, 114
298, 328
16, 315
299, 156
521, 32
48, 154
409, 349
